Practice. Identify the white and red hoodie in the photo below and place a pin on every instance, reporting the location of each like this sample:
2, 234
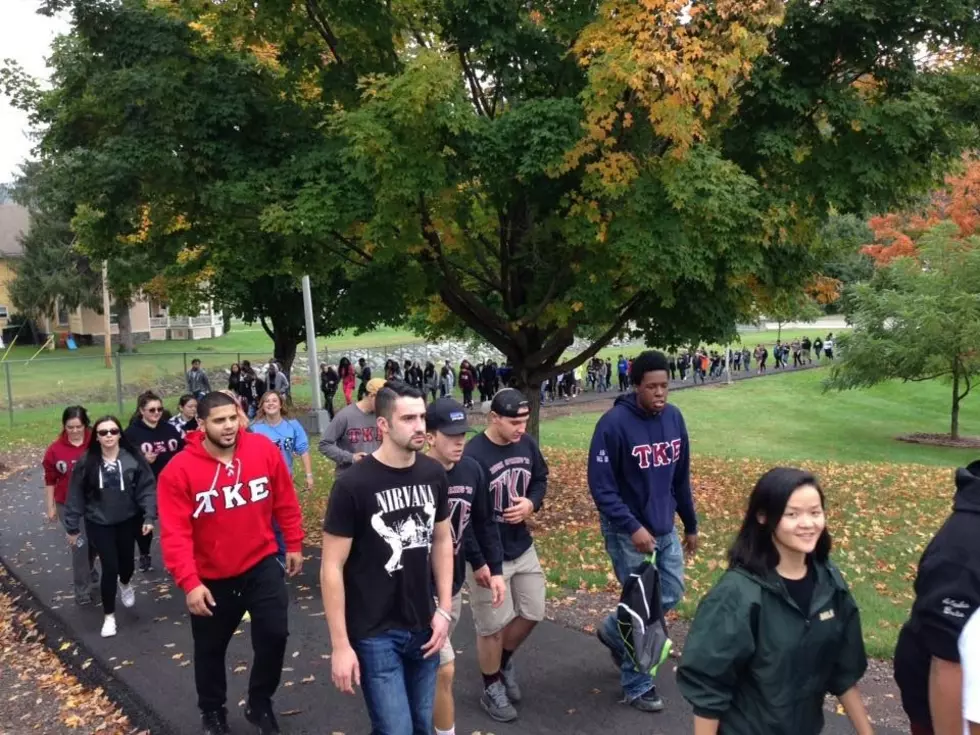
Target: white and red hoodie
216, 518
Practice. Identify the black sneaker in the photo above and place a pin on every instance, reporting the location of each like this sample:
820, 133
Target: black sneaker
613, 651
496, 704
262, 719
649, 702
146, 565
215, 723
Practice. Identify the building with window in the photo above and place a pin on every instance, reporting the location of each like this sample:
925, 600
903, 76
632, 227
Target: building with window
150, 320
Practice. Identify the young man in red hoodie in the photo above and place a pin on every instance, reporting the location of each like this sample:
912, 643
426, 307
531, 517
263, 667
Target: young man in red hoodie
217, 499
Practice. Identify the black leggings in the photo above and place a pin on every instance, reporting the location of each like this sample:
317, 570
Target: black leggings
114, 545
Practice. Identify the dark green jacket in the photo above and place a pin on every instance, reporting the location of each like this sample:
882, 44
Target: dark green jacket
755, 662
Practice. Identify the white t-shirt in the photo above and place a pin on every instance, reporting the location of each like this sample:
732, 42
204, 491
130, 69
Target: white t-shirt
970, 661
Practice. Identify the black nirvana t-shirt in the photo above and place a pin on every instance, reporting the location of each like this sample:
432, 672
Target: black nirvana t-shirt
390, 514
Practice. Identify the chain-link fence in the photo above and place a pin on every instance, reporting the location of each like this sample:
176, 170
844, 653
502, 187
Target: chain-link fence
37, 389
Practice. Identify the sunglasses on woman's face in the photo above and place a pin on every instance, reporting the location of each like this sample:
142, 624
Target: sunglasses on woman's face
108, 432
154, 409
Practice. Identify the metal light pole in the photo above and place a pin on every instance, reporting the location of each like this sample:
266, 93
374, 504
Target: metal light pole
318, 416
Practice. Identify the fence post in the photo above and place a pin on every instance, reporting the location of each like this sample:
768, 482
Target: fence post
119, 387
185, 363
10, 393
239, 360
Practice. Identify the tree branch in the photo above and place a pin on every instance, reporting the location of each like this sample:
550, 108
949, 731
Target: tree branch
352, 245
479, 101
927, 377
969, 387
480, 315
624, 316
319, 20
265, 326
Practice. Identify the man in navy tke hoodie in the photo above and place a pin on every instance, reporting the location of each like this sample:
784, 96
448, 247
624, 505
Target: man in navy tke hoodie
640, 476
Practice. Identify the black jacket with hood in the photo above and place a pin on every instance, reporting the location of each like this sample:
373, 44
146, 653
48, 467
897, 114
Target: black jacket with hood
947, 592
109, 503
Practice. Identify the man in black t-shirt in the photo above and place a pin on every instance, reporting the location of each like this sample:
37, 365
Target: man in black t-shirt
386, 539
475, 534
518, 478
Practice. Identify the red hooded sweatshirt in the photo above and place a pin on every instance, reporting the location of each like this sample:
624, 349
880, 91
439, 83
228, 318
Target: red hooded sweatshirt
59, 460
216, 519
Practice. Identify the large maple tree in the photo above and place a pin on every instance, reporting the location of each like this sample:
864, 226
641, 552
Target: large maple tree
529, 170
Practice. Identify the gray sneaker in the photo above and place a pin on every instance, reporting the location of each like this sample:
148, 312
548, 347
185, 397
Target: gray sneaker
649, 702
509, 676
495, 703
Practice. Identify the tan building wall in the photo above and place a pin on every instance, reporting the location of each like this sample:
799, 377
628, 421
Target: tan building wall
6, 276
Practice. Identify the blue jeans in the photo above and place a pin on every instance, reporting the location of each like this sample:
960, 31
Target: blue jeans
625, 559
397, 680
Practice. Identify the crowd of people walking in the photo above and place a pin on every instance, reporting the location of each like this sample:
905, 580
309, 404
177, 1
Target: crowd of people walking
417, 512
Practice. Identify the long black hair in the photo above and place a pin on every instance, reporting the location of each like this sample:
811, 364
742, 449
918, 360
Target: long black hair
147, 396
93, 455
74, 412
754, 548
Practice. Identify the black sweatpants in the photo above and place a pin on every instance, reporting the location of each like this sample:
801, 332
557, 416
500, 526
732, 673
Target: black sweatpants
143, 541
262, 591
114, 546
623, 385
328, 402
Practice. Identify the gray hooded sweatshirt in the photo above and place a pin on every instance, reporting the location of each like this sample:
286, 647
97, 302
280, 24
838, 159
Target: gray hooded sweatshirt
117, 492
350, 432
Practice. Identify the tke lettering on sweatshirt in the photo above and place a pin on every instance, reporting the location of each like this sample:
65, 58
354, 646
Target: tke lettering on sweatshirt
658, 451
232, 495
460, 507
399, 498
361, 435
509, 486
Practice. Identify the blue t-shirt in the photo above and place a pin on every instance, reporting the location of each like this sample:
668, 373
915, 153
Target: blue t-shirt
288, 435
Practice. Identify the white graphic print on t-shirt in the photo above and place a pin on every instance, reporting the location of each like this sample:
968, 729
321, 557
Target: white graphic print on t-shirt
405, 520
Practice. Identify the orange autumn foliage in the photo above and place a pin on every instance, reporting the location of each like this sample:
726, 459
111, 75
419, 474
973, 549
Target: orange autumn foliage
897, 233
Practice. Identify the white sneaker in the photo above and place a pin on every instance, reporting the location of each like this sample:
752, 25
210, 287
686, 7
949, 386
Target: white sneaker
127, 594
109, 626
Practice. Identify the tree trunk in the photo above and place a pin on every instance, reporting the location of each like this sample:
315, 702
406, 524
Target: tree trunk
125, 328
954, 424
225, 322
284, 344
779, 331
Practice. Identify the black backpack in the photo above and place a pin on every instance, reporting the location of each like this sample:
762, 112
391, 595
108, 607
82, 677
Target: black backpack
640, 618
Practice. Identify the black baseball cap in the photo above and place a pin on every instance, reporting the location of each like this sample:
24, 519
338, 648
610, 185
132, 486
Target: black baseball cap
447, 416
511, 403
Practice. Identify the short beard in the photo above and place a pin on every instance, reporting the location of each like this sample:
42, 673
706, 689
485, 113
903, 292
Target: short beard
217, 441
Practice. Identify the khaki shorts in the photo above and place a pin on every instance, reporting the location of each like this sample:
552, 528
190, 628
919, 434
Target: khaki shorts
525, 595
446, 654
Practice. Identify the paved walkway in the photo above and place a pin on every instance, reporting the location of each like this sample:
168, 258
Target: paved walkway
570, 686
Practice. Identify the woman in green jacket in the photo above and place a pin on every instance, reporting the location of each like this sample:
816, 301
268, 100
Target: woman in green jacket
780, 629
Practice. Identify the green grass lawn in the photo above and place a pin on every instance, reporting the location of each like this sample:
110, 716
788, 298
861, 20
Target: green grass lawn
789, 417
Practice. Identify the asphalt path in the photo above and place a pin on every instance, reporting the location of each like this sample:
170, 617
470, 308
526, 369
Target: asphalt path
569, 684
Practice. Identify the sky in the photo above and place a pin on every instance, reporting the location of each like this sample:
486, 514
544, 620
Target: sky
26, 38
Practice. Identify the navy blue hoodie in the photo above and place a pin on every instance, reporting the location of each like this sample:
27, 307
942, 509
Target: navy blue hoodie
640, 468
